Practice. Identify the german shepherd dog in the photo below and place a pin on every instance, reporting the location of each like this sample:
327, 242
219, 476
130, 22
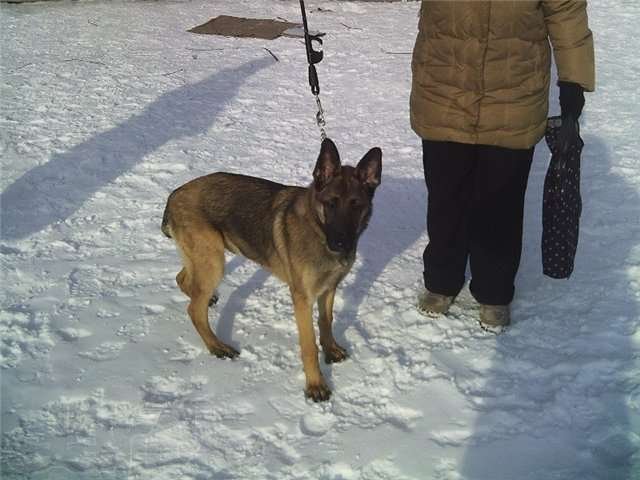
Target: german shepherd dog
306, 237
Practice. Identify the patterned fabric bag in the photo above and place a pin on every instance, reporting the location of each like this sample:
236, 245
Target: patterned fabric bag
561, 201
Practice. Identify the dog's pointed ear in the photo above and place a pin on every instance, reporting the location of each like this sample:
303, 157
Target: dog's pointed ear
328, 164
369, 169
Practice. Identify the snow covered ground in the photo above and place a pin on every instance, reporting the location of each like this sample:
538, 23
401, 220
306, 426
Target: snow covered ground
108, 106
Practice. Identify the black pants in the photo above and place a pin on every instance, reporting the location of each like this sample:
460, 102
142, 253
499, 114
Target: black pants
475, 209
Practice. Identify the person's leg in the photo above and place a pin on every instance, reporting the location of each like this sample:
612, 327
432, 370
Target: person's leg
496, 221
449, 172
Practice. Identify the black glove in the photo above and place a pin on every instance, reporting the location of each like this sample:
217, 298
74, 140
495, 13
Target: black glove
571, 99
571, 103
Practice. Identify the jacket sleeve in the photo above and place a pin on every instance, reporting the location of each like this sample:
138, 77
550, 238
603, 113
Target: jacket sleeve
572, 41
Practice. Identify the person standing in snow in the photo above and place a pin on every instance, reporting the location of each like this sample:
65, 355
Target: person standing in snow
479, 100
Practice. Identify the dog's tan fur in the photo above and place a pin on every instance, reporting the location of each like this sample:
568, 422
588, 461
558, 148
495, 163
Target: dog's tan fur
288, 230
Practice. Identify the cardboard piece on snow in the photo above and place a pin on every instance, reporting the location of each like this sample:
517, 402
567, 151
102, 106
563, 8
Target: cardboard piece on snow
298, 32
244, 27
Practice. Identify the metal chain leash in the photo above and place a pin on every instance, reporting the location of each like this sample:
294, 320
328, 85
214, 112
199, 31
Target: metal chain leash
320, 119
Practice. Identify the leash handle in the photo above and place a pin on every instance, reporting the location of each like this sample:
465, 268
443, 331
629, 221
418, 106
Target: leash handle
313, 56
313, 80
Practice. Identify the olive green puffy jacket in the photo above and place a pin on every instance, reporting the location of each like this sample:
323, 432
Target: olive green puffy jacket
481, 69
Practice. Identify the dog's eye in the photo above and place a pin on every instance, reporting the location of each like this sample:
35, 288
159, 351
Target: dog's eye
332, 204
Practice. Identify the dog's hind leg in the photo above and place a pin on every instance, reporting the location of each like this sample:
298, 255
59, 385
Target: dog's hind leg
183, 281
333, 352
203, 248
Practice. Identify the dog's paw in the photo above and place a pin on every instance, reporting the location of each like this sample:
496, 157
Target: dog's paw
214, 300
317, 393
335, 354
223, 351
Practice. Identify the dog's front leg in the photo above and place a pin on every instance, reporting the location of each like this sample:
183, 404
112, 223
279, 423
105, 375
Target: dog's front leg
333, 352
316, 387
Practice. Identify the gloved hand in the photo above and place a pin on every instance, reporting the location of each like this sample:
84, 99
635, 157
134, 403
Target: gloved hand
571, 103
571, 99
